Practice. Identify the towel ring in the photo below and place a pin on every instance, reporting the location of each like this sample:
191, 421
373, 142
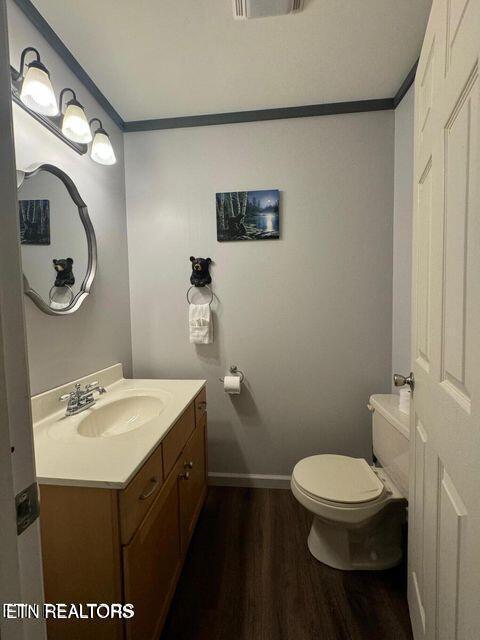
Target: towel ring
51, 294
194, 287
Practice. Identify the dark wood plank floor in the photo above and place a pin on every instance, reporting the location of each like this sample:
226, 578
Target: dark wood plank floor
250, 576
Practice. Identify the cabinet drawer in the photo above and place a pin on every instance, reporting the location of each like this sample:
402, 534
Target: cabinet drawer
176, 438
136, 499
200, 406
192, 484
151, 565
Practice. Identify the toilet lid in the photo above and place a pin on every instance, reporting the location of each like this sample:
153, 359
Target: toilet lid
338, 478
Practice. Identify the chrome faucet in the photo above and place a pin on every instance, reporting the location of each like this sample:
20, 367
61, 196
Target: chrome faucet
80, 399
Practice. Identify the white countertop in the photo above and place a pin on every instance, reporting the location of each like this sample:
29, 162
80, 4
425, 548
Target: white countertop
64, 457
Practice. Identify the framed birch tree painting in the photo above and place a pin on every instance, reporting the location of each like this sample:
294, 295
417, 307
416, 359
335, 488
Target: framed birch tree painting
34, 221
248, 215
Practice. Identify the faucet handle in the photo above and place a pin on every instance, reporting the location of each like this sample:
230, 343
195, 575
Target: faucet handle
65, 397
91, 385
68, 396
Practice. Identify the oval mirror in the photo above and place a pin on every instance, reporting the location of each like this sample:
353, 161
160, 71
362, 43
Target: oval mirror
58, 246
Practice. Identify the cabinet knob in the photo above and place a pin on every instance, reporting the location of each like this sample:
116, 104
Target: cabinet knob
202, 405
188, 465
184, 476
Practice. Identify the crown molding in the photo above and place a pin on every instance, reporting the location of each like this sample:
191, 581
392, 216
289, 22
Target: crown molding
306, 111
405, 86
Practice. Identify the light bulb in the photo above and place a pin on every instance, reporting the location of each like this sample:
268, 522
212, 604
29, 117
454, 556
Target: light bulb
75, 124
37, 91
102, 150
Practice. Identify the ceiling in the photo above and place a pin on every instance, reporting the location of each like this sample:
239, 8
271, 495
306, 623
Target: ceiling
167, 58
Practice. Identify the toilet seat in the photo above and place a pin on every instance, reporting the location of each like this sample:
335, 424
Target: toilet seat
338, 479
370, 490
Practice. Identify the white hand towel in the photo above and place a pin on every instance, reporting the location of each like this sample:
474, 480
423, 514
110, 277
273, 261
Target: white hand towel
200, 324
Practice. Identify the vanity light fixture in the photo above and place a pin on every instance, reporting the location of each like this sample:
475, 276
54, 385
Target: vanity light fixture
32, 90
102, 150
37, 91
74, 122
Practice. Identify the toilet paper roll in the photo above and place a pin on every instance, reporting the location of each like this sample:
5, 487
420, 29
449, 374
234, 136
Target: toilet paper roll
231, 385
404, 401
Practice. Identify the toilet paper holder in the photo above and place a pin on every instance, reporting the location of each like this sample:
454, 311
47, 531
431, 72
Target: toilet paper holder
235, 371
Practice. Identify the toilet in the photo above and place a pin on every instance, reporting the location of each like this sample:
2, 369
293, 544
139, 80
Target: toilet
358, 509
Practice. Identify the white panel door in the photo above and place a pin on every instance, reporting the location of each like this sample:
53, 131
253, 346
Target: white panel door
20, 555
444, 520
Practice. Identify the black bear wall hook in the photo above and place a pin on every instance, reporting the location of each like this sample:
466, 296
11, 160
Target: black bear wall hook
63, 267
200, 271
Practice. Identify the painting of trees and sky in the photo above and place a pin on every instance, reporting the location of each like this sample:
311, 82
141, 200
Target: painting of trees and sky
248, 215
34, 221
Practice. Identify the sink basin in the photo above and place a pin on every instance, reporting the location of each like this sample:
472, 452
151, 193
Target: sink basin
106, 444
120, 416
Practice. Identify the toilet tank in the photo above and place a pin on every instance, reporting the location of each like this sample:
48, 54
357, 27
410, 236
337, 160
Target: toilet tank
390, 434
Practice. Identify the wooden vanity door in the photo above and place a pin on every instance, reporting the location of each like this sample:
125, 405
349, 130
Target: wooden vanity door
152, 563
192, 484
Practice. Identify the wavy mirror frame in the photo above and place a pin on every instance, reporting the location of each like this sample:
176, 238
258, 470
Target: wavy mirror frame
91, 242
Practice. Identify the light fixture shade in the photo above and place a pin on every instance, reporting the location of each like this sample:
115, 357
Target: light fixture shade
37, 91
75, 124
102, 150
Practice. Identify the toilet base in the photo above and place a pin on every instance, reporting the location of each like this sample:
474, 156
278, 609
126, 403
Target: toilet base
375, 545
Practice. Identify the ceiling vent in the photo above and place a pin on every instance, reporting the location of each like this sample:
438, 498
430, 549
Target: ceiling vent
246, 9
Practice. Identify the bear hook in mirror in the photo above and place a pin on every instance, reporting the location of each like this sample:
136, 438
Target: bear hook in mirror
63, 272
54, 220
61, 294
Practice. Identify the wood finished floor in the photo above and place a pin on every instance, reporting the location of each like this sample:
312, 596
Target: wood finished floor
250, 576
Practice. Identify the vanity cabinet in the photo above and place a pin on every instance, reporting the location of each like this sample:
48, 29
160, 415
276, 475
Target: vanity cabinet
191, 486
176, 438
126, 545
151, 564
135, 501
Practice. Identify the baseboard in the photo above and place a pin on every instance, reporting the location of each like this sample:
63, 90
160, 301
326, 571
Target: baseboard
257, 481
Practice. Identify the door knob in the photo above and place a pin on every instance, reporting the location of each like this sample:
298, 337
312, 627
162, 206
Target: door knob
401, 381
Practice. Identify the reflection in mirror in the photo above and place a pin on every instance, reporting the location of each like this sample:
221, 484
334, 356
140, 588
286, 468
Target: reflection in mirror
57, 240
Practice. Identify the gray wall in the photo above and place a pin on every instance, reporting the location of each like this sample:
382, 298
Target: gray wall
402, 235
307, 317
63, 348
